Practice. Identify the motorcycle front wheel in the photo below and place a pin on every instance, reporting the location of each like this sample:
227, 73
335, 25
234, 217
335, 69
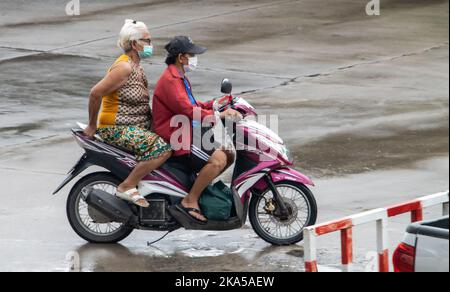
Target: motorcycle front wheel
302, 209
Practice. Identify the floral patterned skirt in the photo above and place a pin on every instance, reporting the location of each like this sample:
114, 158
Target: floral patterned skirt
142, 142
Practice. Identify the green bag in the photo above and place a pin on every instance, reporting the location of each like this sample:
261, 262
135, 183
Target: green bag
216, 202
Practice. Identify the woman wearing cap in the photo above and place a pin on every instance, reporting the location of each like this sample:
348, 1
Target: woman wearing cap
125, 116
172, 97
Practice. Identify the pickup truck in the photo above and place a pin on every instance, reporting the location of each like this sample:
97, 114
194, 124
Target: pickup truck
425, 248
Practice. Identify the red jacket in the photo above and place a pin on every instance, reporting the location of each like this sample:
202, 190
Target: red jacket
171, 99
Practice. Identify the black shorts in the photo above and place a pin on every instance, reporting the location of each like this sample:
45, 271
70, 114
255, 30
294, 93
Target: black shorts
199, 156
196, 160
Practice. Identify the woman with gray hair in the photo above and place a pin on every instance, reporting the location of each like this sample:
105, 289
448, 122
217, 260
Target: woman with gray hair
119, 110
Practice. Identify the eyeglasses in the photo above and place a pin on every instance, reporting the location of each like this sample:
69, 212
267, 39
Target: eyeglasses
147, 41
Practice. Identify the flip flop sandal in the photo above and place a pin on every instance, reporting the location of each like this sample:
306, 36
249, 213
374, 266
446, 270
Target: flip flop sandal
128, 196
186, 211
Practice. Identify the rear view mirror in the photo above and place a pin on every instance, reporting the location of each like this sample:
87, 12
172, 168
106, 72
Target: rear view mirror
226, 86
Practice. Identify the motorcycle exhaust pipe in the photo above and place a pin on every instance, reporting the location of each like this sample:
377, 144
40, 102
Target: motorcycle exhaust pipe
110, 206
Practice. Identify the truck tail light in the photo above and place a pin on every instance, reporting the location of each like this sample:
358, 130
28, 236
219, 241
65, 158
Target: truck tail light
404, 258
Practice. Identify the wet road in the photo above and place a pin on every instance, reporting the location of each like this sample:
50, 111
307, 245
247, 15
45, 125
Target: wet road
362, 101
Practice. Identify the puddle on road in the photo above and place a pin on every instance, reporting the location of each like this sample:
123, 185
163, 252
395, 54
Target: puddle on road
100, 258
44, 95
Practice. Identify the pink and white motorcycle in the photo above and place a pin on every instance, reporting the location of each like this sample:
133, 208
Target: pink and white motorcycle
265, 188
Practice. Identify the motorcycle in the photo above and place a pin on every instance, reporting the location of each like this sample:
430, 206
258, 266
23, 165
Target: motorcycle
265, 188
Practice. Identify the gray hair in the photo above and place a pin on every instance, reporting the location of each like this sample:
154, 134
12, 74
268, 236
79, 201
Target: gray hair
131, 31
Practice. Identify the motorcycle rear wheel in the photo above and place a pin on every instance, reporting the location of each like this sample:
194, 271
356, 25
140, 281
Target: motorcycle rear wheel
82, 222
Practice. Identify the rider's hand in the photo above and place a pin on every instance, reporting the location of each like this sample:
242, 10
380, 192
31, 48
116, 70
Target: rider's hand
90, 131
231, 113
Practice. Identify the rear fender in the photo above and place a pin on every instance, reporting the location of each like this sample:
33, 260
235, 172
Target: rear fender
82, 164
90, 158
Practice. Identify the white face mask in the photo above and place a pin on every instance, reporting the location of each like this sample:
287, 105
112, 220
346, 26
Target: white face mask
193, 64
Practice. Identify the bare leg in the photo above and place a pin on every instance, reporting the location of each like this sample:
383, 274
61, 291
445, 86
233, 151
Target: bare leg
230, 159
216, 165
140, 171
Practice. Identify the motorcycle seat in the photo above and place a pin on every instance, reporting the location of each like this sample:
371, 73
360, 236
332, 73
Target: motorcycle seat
180, 171
177, 167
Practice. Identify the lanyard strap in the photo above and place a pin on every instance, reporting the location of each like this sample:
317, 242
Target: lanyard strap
189, 92
192, 99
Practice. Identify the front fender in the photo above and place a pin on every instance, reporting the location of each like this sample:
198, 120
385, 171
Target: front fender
277, 175
290, 174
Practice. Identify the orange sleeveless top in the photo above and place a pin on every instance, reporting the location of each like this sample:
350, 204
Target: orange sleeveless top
130, 104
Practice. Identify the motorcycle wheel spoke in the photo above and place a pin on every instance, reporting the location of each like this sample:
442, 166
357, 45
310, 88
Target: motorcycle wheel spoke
292, 227
86, 219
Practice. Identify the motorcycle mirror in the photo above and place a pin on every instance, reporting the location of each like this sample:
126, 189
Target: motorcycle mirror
226, 86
